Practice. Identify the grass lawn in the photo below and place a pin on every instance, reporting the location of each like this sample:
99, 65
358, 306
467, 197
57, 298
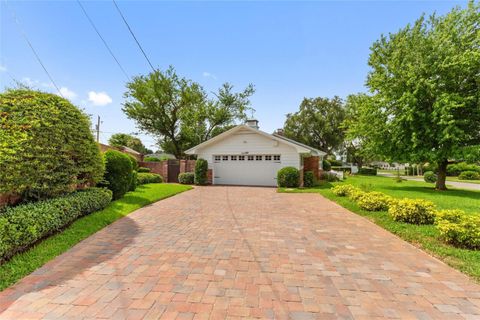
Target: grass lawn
425, 237
24, 263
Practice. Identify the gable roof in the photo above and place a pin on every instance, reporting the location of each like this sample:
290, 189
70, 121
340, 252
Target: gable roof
301, 148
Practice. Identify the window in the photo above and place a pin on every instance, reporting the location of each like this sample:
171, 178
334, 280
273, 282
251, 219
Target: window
250, 158
233, 158
225, 158
268, 158
217, 158
241, 158
258, 158
276, 157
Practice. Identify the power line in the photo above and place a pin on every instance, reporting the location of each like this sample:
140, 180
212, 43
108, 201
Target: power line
22, 31
103, 40
133, 35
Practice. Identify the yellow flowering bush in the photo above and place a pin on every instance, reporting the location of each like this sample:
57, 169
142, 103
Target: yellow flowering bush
374, 201
459, 228
344, 190
415, 211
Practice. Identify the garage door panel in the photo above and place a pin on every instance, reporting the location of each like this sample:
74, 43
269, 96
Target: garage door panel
246, 172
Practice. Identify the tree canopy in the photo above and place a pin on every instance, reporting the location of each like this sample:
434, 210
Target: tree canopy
425, 91
127, 140
179, 112
317, 123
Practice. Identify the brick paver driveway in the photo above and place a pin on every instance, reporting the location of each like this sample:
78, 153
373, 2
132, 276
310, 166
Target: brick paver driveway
232, 252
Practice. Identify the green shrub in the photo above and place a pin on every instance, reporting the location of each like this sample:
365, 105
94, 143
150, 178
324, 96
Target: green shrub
144, 178
356, 194
46, 146
457, 168
308, 179
118, 173
288, 177
133, 181
344, 190
151, 159
201, 172
134, 161
335, 162
186, 178
430, 177
374, 201
458, 228
367, 171
416, 211
23, 225
326, 165
469, 175
143, 169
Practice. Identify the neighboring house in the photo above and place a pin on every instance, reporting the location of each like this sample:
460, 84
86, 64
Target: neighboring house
389, 166
245, 155
127, 150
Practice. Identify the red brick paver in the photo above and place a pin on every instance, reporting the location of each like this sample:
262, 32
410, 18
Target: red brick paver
238, 252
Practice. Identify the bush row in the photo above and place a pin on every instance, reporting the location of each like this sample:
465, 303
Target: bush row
144, 178
455, 226
23, 225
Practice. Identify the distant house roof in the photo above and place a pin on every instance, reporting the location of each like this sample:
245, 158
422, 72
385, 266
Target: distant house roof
130, 150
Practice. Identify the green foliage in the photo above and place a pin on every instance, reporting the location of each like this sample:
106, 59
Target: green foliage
143, 169
367, 171
430, 177
23, 225
375, 201
152, 159
186, 178
145, 178
469, 175
416, 211
118, 172
457, 168
46, 147
308, 179
317, 123
134, 161
430, 167
179, 112
458, 228
326, 165
288, 177
334, 162
201, 172
127, 140
424, 81
133, 182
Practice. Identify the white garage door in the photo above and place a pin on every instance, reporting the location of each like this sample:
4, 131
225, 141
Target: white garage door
252, 170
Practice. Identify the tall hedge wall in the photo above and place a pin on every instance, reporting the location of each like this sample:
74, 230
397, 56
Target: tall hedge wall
46, 146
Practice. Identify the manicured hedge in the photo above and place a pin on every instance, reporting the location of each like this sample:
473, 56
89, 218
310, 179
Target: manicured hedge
46, 146
457, 168
326, 165
186, 178
368, 171
118, 173
23, 225
288, 177
430, 177
308, 179
144, 178
143, 169
414, 211
459, 228
201, 172
469, 175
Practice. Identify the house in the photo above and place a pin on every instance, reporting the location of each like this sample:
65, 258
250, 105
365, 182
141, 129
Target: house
245, 155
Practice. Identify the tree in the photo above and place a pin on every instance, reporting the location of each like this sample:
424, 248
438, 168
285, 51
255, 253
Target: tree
317, 123
425, 83
127, 140
179, 112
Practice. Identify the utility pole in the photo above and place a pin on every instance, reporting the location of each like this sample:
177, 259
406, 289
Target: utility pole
97, 128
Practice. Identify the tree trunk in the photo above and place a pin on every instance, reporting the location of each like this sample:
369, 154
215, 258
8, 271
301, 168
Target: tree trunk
442, 175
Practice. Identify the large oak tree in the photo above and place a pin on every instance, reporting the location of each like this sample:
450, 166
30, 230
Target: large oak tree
425, 86
179, 112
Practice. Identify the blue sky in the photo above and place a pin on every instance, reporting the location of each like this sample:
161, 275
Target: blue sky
288, 50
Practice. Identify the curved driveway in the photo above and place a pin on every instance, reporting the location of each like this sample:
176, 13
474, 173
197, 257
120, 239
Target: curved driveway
239, 252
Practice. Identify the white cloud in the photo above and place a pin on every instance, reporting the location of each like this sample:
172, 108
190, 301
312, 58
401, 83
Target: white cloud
209, 75
3, 68
99, 98
67, 93
35, 83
